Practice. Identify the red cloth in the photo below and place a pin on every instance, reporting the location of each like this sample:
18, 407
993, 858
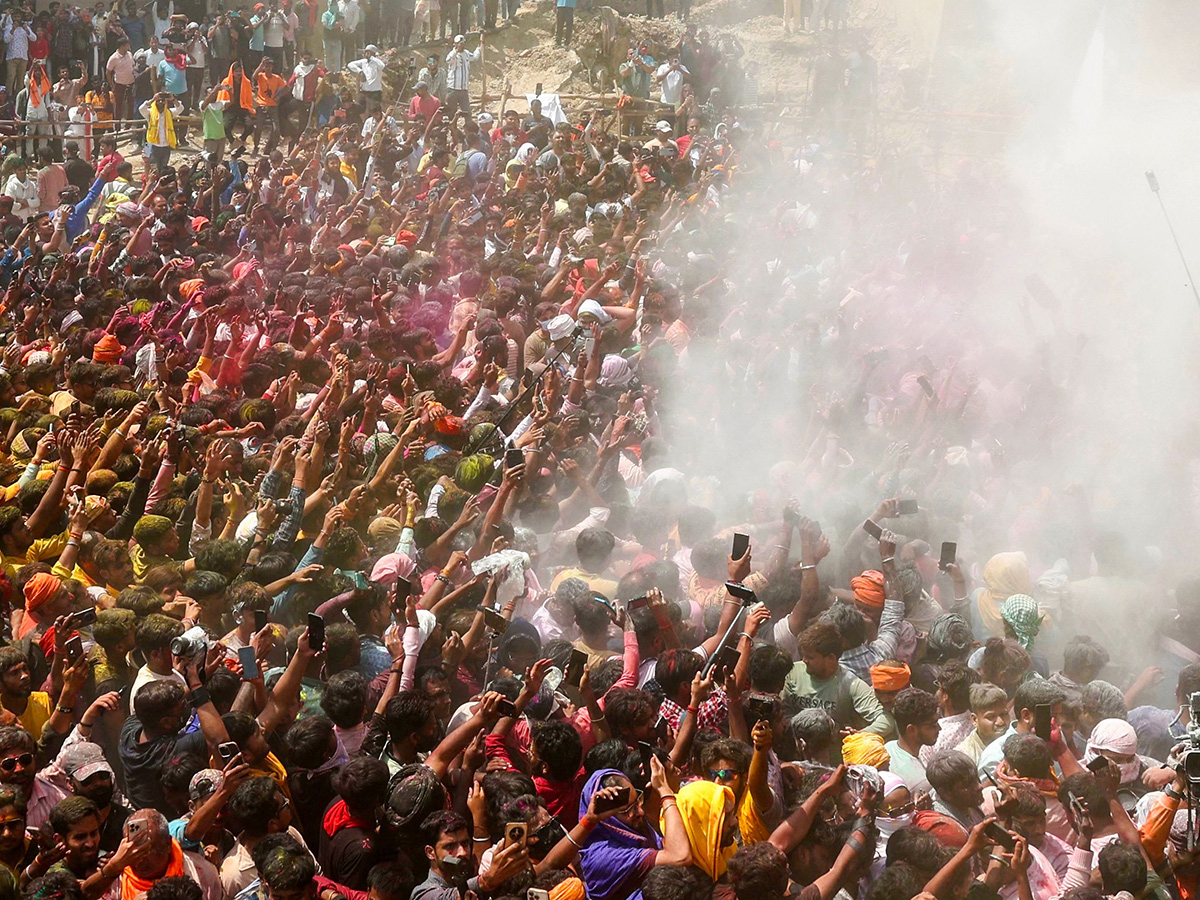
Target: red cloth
339, 816
562, 797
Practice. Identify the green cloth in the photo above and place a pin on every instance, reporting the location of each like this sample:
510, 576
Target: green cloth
845, 696
214, 123
1021, 613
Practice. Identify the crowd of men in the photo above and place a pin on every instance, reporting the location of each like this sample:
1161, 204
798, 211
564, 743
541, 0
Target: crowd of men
463, 504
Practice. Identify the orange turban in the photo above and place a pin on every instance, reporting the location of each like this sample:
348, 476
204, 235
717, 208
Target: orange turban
405, 238
568, 889
864, 748
108, 350
188, 289
886, 677
868, 588
40, 590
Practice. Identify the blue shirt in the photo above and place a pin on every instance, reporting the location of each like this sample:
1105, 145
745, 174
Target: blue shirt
173, 79
373, 657
135, 30
77, 222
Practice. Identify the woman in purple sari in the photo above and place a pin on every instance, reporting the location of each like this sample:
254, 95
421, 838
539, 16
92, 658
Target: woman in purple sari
623, 847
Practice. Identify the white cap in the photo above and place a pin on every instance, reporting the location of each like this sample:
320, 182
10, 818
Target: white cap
459, 39
370, 48
560, 326
663, 125
484, 119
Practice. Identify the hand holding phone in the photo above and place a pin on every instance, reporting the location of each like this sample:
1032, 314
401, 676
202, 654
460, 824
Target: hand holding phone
575, 668
998, 835
73, 650
949, 554
316, 633
249, 661
741, 544
872, 529
1041, 721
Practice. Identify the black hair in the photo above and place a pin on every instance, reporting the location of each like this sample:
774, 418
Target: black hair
608, 754
955, 679
345, 699
70, 812
362, 782
913, 706
769, 668
391, 880
898, 882
560, 748
444, 821
254, 803
1034, 692
671, 883
1122, 868
1087, 790
407, 713
306, 742
626, 709
175, 887
1028, 755
759, 872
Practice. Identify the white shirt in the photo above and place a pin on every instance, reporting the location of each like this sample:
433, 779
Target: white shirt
24, 194
672, 83
458, 69
145, 676
151, 58
371, 69
273, 30
351, 15
198, 51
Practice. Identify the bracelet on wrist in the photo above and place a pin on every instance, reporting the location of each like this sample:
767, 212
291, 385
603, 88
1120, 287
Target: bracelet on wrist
888, 559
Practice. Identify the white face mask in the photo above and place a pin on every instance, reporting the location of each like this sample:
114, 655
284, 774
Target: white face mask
887, 827
1130, 771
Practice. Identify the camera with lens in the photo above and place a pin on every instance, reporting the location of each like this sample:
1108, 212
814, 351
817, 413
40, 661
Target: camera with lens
192, 642
1189, 760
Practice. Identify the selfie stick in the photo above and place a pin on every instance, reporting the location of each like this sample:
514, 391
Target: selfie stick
525, 395
1153, 182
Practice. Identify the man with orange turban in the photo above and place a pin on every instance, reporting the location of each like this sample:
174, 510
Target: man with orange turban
886, 636
108, 350
45, 600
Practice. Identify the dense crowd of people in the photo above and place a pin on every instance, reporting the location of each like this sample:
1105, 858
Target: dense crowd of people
450, 503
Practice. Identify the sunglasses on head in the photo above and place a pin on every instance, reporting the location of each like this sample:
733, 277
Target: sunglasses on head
9, 764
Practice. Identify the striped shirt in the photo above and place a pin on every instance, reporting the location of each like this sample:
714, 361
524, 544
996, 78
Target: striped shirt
458, 69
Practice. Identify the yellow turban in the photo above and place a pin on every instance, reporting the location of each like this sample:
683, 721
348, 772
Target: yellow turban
864, 748
702, 805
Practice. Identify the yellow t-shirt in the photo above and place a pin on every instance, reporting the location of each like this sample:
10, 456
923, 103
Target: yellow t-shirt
142, 563
36, 714
41, 549
272, 767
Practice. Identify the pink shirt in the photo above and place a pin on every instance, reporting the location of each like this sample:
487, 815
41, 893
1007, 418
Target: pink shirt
121, 68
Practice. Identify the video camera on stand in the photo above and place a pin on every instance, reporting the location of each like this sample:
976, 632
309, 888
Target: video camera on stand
1187, 764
